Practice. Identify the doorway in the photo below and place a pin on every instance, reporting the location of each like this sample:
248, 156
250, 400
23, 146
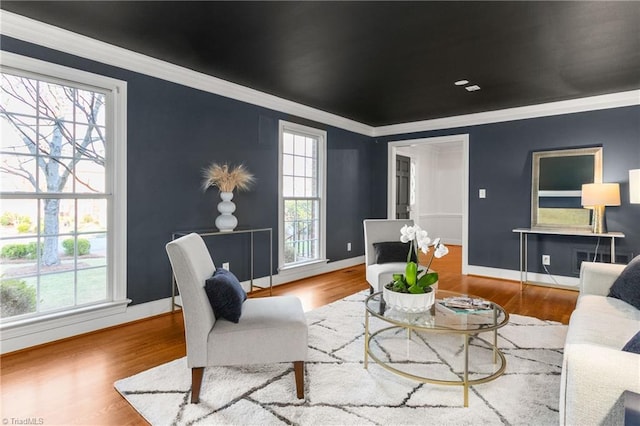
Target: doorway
441, 186
403, 186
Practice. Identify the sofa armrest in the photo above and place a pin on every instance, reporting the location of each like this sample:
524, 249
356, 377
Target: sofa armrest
593, 380
597, 278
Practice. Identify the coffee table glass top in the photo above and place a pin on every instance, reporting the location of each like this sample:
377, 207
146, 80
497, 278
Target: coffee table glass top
439, 318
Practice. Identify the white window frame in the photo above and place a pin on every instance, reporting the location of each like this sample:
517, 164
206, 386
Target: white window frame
116, 184
321, 136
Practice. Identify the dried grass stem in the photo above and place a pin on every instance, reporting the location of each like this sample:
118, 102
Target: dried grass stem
227, 178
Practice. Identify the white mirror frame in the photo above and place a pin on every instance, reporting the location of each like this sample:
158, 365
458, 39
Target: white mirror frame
596, 152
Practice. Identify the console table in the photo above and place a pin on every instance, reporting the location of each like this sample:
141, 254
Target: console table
524, 242
214, 233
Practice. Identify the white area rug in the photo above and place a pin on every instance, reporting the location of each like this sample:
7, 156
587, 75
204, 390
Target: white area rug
339, 391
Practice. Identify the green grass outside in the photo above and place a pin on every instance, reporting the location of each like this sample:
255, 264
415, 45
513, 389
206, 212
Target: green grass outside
57, 289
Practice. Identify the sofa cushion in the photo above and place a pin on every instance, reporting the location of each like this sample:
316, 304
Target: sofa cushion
608, 306
627, 286
280, 320
592, 327
633, 345
226, 295
383, 274
393, 251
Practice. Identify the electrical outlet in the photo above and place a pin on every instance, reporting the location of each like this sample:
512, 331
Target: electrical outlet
348, 246
546, 259
225, 265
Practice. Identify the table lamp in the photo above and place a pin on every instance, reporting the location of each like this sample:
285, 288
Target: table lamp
634, 186
597, 196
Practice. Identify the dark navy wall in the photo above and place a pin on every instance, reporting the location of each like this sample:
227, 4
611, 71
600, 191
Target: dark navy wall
173, 132
500, 161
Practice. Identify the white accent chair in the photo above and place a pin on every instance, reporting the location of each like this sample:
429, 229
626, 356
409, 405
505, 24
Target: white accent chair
379, 231
271, 329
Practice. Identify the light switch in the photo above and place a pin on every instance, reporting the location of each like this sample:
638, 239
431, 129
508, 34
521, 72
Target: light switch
482, 193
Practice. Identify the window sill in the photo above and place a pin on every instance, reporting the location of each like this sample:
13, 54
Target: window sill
42, 323
302, 267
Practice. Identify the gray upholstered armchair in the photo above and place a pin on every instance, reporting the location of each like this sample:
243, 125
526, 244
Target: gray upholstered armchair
379, 231
271, 329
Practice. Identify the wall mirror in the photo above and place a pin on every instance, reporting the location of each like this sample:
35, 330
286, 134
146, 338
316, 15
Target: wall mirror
556, 187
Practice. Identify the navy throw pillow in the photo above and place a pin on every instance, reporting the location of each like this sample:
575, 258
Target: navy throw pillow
633, 345
393, 251
226, 295
627, 286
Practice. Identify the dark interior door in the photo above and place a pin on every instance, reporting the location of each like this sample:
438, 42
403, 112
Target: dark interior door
403, 182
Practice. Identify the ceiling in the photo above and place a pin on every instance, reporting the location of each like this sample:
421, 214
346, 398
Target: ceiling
378, 63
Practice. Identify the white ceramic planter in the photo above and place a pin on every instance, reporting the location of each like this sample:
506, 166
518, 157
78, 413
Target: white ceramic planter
408, 302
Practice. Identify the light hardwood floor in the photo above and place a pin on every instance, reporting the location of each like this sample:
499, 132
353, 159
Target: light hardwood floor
71, 381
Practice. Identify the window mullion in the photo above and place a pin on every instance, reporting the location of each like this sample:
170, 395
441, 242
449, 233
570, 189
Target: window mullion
75, 252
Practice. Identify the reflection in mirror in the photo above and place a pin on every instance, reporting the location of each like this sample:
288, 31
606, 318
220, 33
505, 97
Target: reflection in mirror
556, 187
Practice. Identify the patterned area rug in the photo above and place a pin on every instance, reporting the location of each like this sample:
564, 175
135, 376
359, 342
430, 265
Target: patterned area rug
339, 391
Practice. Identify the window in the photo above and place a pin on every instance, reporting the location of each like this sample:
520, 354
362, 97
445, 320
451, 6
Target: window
302, 195
61, 219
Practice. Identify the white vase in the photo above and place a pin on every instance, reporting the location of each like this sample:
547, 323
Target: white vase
409, 302
226, 222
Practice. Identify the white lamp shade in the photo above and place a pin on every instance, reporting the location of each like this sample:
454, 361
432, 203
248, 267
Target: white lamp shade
634, 186
600, 194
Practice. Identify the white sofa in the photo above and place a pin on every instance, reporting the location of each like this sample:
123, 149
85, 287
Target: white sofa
595, 371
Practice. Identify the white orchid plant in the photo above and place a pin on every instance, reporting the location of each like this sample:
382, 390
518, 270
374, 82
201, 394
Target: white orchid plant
412, 281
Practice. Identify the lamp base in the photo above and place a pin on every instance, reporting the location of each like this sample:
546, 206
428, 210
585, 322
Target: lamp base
599, 221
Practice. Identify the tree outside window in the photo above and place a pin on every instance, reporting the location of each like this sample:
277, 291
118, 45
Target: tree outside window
53, 217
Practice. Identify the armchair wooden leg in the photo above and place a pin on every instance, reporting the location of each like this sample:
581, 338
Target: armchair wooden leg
298, 368
196, 383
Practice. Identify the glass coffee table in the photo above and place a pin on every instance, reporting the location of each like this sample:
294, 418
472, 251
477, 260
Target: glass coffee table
438, 320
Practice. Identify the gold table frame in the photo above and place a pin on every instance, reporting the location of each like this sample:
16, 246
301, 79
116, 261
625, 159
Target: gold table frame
375, 301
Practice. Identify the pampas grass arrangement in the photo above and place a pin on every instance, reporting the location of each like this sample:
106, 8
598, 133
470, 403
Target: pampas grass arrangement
227, 178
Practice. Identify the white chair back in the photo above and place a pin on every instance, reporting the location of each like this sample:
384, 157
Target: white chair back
379, 231
192, 265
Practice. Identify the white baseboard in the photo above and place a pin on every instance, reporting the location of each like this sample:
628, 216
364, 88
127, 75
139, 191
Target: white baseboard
571, 283
22, 337
451, 241
290, 275
320, 268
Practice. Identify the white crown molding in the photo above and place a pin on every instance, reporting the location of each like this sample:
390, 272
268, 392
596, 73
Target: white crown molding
36, 32
592, 103
46, 35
